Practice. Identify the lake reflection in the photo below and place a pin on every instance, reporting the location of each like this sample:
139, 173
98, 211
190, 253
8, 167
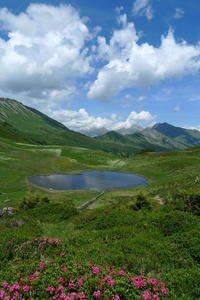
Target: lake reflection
91, 180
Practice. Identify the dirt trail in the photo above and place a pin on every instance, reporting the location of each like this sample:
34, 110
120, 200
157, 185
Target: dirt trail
87, 203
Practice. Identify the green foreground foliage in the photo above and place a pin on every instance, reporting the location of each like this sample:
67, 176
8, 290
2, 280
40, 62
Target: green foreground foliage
150, 231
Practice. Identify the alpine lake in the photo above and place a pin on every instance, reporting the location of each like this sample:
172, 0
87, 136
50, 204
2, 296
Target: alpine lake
89, 180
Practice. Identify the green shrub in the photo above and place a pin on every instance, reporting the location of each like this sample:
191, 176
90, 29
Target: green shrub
31, 200
141, 202
44, 210
187, 200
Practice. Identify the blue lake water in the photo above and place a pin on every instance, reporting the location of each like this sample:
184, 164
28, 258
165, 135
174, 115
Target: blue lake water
90, 180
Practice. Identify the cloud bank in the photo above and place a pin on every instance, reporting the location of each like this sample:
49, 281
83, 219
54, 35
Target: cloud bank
50, 51
130, 64
81, 119
45, 52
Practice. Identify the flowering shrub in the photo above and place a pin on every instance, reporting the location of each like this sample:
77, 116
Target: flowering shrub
37, 247
59, 280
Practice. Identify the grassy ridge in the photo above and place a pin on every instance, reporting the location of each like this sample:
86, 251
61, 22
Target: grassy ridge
155, 233
22, 123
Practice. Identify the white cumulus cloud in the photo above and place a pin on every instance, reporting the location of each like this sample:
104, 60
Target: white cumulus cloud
130, 63
81, 119
143, 8
44, 53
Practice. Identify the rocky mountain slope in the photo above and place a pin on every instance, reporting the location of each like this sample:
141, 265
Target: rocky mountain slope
162, 136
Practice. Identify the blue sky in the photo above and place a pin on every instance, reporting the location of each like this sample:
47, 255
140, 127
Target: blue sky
113, 64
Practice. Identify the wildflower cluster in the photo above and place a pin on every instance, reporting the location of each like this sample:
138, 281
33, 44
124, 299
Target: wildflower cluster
55, 278
60, 281
40, 245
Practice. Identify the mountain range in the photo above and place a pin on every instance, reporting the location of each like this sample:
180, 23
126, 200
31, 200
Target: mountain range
102, 130
21, 123
160, 137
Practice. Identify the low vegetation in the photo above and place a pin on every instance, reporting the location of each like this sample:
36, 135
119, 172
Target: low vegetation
140, 243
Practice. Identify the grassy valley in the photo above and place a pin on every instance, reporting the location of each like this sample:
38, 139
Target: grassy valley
102, 202
151, 231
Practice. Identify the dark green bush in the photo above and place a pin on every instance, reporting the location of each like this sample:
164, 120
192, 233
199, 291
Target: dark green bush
187, 200
141, 202
31, 200
53, 211
44, 210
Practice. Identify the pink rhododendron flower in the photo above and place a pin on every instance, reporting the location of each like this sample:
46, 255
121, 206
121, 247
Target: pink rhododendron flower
16, 295
163, 291
156, 297
5, 285
111, 282
50, 289
60, 289
97, 294
62, 254
138, 281
73, 295
33, 276
121, 273
146, 295
41, 266
95, 270
81, 295
161, 284
107, 278
26, 288
64, 269
80, 282
141, 277
63, 296
153, 281
61, 280
2, 293
14, 287
71, 285
116, 297
52, 240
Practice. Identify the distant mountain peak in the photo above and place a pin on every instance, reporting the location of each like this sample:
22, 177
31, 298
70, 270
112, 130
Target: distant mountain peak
162, 125
169, 130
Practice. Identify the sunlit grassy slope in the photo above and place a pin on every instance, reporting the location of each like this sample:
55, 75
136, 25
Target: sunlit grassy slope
160, 239
22, 123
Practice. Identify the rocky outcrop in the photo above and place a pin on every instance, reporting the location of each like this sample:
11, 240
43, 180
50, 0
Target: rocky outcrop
7, 211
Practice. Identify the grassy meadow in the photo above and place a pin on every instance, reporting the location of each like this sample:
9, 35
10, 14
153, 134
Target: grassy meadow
151, 231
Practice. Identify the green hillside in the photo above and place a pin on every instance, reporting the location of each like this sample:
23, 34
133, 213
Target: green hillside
151, 231
23, 123
161, 137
